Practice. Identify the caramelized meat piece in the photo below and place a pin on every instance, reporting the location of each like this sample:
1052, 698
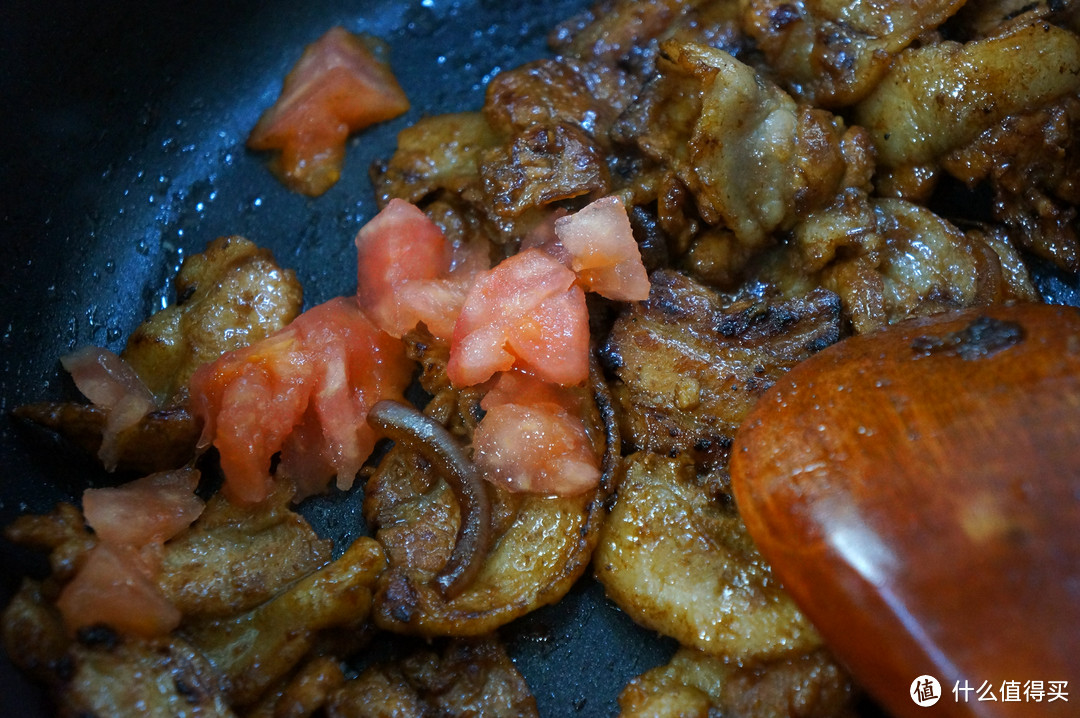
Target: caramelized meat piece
229, 296
757, 161
256, 649
63, 533
681, 563
304, 693
890, 260
161, 440
1032, 166
689, 369
437, 153
234, 558
696, 684
469, 677
939, 97
832, 54
542, 165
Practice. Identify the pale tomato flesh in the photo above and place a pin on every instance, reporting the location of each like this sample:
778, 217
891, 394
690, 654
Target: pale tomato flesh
321, 375
532, 438
527, 313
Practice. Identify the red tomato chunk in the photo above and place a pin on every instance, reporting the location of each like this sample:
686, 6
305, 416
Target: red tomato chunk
338, 86
526, 313
532, 438
152, 509
304, 391
603, 252
408, 273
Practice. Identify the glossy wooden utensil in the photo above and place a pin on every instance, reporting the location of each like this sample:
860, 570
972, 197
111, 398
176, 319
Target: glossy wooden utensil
918, 492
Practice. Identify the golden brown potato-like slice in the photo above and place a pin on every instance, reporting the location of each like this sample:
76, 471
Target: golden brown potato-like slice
256, 649
229, 296
681, 563
234, 558
696, 685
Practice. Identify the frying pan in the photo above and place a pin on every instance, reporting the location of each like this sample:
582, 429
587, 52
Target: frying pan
123, 153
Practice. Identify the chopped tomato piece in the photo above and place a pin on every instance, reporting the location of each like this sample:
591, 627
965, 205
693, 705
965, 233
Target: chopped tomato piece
115, 586
409, 273
527, 312
152, 509
111, 383
603, 252
338, 86
532, 438
304, 391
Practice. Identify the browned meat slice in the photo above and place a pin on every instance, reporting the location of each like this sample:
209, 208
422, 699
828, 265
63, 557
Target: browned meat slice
757, 161
101, 674
437, 153
256, 649
1032, 166
696, 684
689, 368
541, 544
229, 296
680, 562
831, 53
469, 677
891, 260
234, 558
63, 533
542, 165
307, 691
161, 440
940, 97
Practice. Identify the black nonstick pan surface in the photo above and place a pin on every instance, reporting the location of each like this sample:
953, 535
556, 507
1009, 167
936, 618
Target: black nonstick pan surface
123, 152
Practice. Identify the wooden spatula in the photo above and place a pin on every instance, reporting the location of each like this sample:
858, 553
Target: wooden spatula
918, 492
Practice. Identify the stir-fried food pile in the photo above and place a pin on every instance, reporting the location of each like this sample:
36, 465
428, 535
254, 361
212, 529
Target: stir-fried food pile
584, 287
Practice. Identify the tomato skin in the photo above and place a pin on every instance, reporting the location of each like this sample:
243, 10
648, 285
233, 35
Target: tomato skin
321, 374
603, 253
406, 272
336, 87
526, 313
532, 438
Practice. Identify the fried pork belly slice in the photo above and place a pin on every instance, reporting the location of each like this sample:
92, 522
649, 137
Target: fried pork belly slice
689, 368
830, 53
307, 691
696, 685
940, 97
234, 558
540, 545
254, 650
468, 677
542, 165
441, 152
758, 161
229, 296
680, 562
890, 260
1032, 165
63, 533
102, 674
161, 440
